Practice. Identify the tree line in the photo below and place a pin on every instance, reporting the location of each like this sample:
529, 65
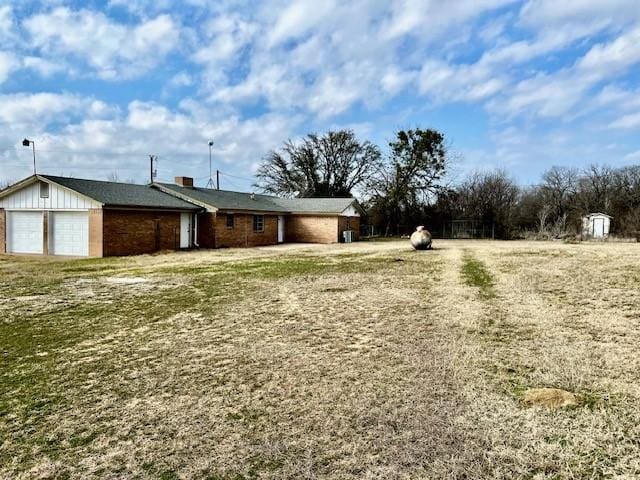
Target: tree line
553, 208
406, 187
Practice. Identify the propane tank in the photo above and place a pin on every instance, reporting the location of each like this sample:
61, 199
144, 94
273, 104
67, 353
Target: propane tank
421, 239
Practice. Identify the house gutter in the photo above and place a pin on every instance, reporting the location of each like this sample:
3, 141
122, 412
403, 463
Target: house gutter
195, 231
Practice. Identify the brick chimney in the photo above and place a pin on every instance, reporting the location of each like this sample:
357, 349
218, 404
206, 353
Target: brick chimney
184, 181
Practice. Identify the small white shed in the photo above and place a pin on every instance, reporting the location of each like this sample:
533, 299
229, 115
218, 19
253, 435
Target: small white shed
596, 225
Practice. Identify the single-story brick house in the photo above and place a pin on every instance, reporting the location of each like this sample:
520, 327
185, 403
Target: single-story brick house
237, 219
51, 215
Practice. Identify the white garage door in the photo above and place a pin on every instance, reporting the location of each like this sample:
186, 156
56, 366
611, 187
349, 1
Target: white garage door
24, 232
69, 233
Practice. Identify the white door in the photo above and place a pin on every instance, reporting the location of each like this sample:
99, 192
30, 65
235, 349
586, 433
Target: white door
69, 233
598, 227
280, 228
185, 230
25, 232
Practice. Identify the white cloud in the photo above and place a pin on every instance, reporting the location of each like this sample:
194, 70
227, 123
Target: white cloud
553, 14
608, 59
97, 138
326, 57
112, 49
394, 80
633, 156
298, 18
446, 82
6, 23
228, 36
493, 29
39, 108
8, 63
43, 66
619, 98
332, 95
562, 92
141, 7
630, 121
180, 80
430, 18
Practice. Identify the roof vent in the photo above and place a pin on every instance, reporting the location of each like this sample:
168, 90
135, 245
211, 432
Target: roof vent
184, 181
253, 196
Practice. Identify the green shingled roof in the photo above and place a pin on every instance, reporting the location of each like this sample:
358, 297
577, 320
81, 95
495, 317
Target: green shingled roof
122, 194
315, 205
227, 200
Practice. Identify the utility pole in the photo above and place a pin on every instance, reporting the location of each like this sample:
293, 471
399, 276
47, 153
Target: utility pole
153, 173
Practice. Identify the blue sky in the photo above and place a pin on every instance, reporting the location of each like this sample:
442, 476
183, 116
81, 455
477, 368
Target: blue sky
519, 85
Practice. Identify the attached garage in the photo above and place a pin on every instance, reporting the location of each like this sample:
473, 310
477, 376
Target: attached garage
51, 215
25, 232
69, 233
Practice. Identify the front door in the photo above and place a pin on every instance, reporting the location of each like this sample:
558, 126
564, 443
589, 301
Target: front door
280, 228
185, 230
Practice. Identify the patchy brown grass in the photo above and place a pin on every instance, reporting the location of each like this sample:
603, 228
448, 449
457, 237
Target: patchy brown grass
356, 361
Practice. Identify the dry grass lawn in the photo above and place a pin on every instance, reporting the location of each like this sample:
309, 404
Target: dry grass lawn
356, 361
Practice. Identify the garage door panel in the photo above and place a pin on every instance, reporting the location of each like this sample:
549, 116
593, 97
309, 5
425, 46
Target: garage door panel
25, 232
69, 233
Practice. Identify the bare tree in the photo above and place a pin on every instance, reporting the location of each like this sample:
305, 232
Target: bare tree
596, 189
559, 187
114, 177
490, 197
543, 218
330, 165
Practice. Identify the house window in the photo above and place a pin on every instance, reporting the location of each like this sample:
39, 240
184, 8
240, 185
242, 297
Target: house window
258, 223
230, 220
44, 190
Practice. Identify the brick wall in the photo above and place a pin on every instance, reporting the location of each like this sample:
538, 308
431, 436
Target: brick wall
311, 229
137, 232
207, 230
95, 232
242, 234
3, 231
348, 223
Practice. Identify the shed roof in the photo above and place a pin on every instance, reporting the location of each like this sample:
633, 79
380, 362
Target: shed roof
599, 214
228, 200
122, 194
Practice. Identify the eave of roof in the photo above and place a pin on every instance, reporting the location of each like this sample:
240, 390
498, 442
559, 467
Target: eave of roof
18, 185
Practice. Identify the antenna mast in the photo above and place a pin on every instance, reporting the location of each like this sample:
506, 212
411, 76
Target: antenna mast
210, 183
153, 173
